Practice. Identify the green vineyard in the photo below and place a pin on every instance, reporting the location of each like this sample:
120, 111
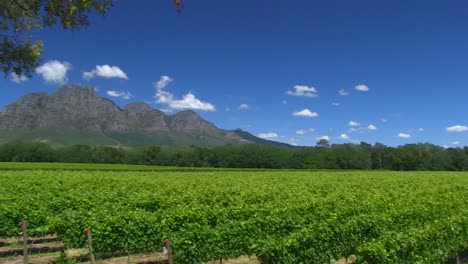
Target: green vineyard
278, 216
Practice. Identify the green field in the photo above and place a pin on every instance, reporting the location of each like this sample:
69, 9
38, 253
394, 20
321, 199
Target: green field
279, 216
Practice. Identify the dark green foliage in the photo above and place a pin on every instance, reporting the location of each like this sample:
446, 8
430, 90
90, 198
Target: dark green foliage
76, 154
338, 156
32, 152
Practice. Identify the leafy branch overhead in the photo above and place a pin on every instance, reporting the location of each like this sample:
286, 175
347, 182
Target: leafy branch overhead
19, 54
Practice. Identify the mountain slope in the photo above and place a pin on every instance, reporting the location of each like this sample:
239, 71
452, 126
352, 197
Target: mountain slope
76, 115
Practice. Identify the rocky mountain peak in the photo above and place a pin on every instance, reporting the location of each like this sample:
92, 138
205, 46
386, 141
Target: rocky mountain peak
78, 108
138, 107
190, 121
79, 115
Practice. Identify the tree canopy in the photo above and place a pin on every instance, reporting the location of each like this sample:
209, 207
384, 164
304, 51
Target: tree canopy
19, 54
421, 156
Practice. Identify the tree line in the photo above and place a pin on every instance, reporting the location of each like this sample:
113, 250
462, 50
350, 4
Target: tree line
421, 156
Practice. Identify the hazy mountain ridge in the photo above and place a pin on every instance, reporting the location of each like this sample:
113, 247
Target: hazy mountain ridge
75, 115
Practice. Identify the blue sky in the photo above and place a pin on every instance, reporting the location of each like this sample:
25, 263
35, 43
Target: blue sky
276, 68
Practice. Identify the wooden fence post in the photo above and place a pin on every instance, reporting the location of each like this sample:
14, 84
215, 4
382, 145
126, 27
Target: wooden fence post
24, 226
167, 245
90, 246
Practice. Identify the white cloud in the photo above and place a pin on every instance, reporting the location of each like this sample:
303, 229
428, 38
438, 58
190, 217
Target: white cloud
456, 143
306, 113
353, 123
335, 104
105, 71
301, 132
384, 120
362, 88
305, 131
372, 127
17, 78
343, 92
344, 136
269, 135
244, 107
327, 138
421, 129
303, 90
353, 129
188, 101
457, 128
445, 146
54, 71
403, 135
123, 95
163, 82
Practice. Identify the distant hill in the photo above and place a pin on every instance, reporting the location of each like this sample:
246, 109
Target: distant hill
77, 115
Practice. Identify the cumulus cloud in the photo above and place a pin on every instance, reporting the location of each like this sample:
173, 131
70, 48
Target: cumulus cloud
244, 107
18, 78
457, 128
372, 127
188, 101
301, 132
306, 113
54, 71
163, 82
105, 71
403, 135
343, 92
362, 88
303, 90
456, 143
353, 123
123, 95
305, 131
269, 135
344, 136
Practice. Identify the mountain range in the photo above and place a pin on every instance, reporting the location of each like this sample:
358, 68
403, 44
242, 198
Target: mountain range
77, 115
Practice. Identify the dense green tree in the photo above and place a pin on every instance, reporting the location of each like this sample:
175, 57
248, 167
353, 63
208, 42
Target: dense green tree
338, 156
419, 157
378, 156
323, 142
351, 156
457, 159
75, 153
109, 155
150, 155
27, 151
